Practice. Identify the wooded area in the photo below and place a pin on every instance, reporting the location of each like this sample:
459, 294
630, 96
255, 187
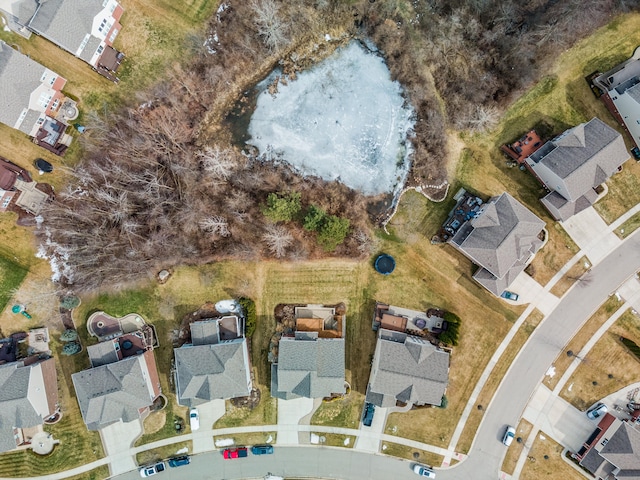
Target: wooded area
160, 183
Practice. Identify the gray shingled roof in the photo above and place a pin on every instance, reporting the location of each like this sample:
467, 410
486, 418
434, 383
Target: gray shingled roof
561, 209
408, 369
584, 157
311, 368
592, 461
208, 372
66, 22
502, 237
113, 392
18, 11
19, 406
623, 451
19, 77
204, 332
102, 353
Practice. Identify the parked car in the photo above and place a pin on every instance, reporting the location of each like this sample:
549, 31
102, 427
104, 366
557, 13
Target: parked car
179, 461
42, 165
150, 470
367, 416
240, 452
597, 411
194, 419
510, 295
509, 435
423, 471
635, 151
262, 449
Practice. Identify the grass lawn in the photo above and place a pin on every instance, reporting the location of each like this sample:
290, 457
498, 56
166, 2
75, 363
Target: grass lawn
11, 276
624, 192
265, 413
163, 453
579, 340
513, 452
420, 456
499, 371
608, 367
545, 461
345, 412
628, 227
249, 439
96, 474
337, 440
571, 277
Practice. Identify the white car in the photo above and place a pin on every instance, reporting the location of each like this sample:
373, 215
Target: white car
509, 435
597, 411
150, 470
194, 419
423, 471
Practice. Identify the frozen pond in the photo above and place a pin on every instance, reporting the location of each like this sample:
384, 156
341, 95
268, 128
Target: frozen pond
342, 119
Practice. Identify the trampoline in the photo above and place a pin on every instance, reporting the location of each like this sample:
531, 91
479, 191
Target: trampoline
385, 264
127, 344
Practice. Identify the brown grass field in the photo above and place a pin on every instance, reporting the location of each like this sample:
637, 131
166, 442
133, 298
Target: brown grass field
545, 461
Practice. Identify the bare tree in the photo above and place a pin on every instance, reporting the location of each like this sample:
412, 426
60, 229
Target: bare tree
271, 26
216, 225
277, 239
218, 162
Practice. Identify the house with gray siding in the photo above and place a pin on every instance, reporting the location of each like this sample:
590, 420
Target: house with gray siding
502, 239
310, 361
84, 28
28, 396
214, 365
407, 369
31, 100
575, 163
121, 391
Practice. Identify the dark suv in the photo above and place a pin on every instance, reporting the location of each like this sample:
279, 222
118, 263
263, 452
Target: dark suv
179, 461
367, 417
262, 449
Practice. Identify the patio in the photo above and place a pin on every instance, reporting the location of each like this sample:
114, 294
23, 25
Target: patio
105, 327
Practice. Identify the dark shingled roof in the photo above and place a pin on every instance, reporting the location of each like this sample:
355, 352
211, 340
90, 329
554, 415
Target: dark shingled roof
114, 392
311, 368
623, 451
500, 239
208, 372
408, 369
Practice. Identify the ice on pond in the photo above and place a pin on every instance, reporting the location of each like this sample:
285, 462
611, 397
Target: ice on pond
342, 119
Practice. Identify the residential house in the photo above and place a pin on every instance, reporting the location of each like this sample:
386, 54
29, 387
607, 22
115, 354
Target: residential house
121, 391
28, 396
621, 94
575, 163
612, 452
502, 237
84, 28
311, 362
407, 369
215, 365
31, 100
17, 188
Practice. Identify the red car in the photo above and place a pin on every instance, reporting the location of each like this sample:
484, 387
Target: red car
235, 453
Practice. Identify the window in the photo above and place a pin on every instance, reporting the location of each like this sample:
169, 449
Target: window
84, 43
113, 35
55, 104
6, 202
100, 49
44, 99
53, 80
113, 7
44, 76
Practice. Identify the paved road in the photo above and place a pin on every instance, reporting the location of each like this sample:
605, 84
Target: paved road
544, 345
307, 461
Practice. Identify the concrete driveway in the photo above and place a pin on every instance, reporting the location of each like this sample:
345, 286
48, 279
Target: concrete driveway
209, 414
369, 438
591, 233
117, 439
530, 291
290, 412
558, 419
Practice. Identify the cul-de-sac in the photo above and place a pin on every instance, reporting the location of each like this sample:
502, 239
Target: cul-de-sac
320, 239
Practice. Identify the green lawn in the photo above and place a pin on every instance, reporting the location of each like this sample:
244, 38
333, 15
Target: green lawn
11, 276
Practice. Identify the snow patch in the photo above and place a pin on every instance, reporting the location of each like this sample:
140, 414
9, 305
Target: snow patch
270, 439
346, 441
343, 119
570, 387
542, 437
551, 372
182, 450
224, 442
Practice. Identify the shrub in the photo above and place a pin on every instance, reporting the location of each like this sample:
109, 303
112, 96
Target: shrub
314, 219
282, 207
333, 232
632, 346
69, 336
451, 335
249, 309
445, 402
69, 302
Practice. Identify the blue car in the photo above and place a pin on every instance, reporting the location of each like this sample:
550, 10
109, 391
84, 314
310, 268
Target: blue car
369, 411
179, 461
262, 449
